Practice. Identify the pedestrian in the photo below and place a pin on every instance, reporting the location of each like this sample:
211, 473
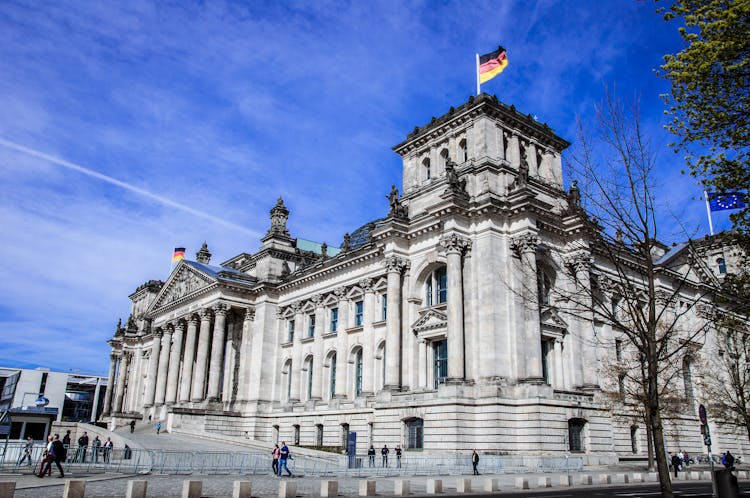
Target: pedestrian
728, 461
675, 463
28, 448
371, 455
275, 462
686, 457
398, 456
385, 452
46, 453
283, 456
475, 461
83, 444
96, 445
66, 440
158, 427
682, 458
56, 454
132, 426
106, 450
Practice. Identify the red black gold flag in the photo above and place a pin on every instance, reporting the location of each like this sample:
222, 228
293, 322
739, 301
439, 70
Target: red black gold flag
492, 64
179, 254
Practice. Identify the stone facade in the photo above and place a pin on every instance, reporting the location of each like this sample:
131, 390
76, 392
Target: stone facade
425, 328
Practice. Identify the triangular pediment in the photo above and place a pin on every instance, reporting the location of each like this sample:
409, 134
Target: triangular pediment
550, 319
430, 320
183, 282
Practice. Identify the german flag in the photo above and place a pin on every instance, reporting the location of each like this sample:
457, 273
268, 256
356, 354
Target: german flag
492, 64
179, 254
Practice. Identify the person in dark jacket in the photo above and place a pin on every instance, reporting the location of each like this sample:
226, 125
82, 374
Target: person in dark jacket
56, 454
676, 462
475, 461
371, 456
728, 460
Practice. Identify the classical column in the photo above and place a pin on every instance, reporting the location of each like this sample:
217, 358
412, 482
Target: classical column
161, 376
174, 362
581, 262
95, 405
526, 246
296, 354
394, 266
217, 352
201, 357
110, 384
559, 379
514, 151
187, 364
122, 373
228, 364
317, 383
455, 246
245, 354
153, 365
368, 337
341, 343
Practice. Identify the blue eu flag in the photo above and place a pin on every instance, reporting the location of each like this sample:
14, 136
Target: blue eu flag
727, 200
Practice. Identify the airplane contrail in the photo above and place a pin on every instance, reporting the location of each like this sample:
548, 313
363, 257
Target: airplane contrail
126, 186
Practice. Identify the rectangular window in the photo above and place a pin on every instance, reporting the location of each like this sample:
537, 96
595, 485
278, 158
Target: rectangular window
290, 336
358, 375
546, 349
440, 353
384, 308
441, 277
358, 313
618, 349
334, 319
311, 326
621, 386
428, 292
333, 376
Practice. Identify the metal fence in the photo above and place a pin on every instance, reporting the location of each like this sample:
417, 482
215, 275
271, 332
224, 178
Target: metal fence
134, 461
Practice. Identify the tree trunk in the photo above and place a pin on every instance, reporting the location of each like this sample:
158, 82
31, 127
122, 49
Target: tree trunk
657, 429
649, 441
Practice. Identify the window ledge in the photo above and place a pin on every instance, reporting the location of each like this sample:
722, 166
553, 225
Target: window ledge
354, 329
330, 334
286, 344
305, 340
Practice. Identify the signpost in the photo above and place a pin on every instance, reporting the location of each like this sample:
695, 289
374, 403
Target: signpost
706, 432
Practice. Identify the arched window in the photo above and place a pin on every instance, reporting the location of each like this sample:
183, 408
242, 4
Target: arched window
634, 438
319, 435
358, 374
296, 435
436, 287
443, 159
275, 434
332, 380
462, 152
545, 282
722, 266
288, 372
309, 378
414, 434
345, 437
575, 435
426, 168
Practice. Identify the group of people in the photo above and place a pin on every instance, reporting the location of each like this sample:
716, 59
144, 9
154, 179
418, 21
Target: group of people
384, 455
56, 452
280, 457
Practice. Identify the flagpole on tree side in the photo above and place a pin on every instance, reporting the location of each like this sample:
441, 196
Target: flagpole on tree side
478, 84
708, 212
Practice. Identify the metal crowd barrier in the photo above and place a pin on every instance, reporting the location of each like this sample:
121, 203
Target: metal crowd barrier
135, 461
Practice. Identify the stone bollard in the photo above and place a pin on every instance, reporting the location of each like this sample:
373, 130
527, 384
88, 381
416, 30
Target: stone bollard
622, 478
522, 483
329, 489
636, 477
566, 480
463, 485
74, 489
136, 489
401, 487
434, 486
491, 484
7, 489
287, 489
242, 489
367, 488
192, 489
605, 479
586, 479
544, 482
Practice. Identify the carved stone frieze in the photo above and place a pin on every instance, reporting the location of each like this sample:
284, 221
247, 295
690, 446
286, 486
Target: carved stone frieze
185, 282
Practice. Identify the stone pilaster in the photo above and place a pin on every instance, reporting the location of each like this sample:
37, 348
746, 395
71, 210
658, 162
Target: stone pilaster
525, 245
161, 377
454, 246
201, 358
153, 365
110, 384
317, 383
368, 337
296, 373
187, 370
245, 354
394, 267
95, 405
341, 343
559, 382
175, 356
122, 374
217, 352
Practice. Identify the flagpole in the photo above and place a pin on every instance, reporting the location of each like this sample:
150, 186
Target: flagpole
478, 84
708, 212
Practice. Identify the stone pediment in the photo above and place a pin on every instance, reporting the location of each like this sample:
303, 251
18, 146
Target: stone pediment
429, 321
550, 320
184, 281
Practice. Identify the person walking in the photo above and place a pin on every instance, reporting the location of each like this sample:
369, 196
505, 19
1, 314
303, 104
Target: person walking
132, 426
46, 454
371, 456
676, 463
57, 454
283, 456
384, 452
475, 461
28, 449
398, 456
158, 427
275, 462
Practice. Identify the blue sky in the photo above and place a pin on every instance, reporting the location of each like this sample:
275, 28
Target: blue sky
127, 130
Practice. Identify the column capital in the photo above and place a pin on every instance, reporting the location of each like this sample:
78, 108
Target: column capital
395, 264
296, 307
340, 293
317, 300
220, 309
115, 356
579, 261
169, 328
193, 319
206, 314
524, 243
366, 284
180, 325
249, 314
158, 333
454, 243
